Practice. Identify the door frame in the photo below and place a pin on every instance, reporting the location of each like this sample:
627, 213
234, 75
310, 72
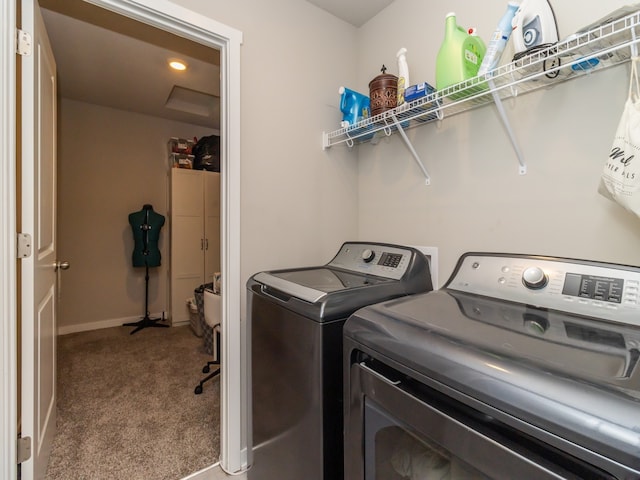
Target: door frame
8, 279
186, 23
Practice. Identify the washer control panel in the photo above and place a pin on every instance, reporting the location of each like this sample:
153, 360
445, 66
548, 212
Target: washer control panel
375, 259
596, 289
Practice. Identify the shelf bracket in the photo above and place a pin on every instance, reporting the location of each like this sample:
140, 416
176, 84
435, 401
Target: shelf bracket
415, 155
325, 141
505, 120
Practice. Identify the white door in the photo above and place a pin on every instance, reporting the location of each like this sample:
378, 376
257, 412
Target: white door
39, 220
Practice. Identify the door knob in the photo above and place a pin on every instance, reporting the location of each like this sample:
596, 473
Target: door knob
62, 266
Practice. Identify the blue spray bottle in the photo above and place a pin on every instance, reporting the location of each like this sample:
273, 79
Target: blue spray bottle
499, 40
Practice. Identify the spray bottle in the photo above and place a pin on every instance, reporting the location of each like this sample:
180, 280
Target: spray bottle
403, 74
354, 106
534, 24
499, 40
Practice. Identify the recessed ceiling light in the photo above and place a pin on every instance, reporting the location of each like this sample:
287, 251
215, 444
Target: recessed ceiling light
178, 65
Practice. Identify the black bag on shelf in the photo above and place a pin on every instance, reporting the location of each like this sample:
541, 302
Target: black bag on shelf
207, 154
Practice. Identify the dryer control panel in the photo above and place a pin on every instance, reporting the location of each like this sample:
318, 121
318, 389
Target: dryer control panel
382, 260
596, 289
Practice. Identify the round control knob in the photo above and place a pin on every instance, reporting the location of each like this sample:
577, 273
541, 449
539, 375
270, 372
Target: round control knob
368, 255
534, 278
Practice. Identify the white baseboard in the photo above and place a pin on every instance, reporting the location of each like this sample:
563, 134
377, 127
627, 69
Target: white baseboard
112, 322
208, 473
215, 472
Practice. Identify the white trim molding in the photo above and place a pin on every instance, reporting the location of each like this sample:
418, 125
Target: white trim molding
8, 261
233, 413
108, 323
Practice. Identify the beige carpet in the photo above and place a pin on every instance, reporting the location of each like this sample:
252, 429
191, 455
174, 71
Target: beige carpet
126, 407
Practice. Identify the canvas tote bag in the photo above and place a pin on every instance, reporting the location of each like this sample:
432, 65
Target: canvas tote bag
620, 179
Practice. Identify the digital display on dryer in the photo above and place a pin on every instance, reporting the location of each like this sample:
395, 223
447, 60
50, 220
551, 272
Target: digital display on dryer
390, 259
605, 289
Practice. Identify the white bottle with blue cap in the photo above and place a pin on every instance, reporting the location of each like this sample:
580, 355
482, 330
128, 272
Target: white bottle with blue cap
499, 40
403, 74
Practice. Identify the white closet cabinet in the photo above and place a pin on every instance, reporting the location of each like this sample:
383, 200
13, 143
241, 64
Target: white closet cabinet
195, 235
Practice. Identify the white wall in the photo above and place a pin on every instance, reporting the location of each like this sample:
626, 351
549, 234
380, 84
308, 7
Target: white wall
298, 203
476, 200
110, 163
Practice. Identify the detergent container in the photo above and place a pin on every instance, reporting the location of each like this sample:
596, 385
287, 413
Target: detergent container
353, 105
534, 24
460, 54
383, 92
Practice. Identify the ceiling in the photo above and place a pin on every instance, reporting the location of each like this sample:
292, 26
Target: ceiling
355, 12
109, 60
106, 59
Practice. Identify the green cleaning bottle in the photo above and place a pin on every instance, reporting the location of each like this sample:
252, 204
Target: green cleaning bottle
460, 54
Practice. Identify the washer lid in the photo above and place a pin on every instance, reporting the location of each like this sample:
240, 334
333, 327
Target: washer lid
313, 284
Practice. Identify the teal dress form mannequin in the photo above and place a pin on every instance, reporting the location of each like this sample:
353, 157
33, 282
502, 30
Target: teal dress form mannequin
146, 225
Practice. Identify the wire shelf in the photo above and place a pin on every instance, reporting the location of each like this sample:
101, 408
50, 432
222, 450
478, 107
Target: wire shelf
582, 53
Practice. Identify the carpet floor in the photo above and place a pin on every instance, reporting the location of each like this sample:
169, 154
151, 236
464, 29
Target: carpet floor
127, 409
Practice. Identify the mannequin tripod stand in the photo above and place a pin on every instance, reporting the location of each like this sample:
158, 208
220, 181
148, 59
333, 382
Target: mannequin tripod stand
146, 321
146, 225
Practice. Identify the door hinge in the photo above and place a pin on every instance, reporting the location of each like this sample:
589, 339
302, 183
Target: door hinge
23, 42
24, 449
24, 245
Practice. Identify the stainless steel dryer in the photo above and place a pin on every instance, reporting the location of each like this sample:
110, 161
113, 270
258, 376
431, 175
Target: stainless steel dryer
522, 367
296, 319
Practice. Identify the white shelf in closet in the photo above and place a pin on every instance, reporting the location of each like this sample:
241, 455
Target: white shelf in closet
576, 56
